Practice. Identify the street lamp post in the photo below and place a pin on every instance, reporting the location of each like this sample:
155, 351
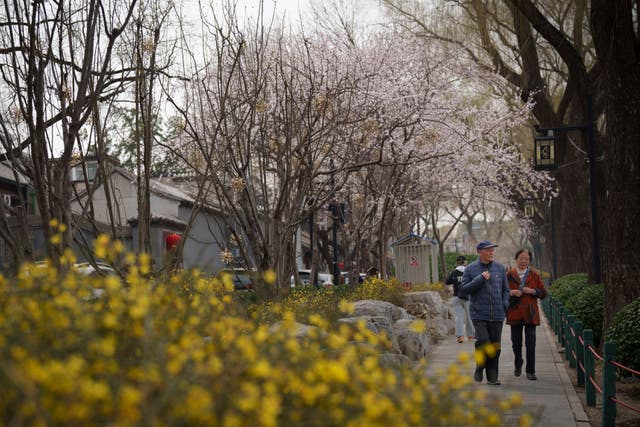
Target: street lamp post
530, 212
553, 241
545, 159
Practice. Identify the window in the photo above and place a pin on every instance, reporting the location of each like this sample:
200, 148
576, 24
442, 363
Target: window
77, 172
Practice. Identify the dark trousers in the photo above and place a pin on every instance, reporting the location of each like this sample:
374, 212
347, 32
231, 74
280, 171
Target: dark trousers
488, 333
530, 344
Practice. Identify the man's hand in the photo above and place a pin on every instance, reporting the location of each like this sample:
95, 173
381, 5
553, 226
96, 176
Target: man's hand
486, 275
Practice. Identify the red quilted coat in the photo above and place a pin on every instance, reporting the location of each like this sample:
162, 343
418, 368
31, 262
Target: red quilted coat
525, 308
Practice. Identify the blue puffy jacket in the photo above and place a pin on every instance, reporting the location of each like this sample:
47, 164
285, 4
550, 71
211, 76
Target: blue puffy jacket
488, 299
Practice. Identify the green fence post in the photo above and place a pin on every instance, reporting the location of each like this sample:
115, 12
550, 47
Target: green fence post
571, 347
565, 333
579, 354
552, 313
561, 325
608, 385
589, 368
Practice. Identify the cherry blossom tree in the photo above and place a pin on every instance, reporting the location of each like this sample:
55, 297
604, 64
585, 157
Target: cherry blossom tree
282, 125
562, 54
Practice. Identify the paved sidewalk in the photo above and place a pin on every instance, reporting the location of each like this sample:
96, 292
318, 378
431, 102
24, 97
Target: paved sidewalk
552, 397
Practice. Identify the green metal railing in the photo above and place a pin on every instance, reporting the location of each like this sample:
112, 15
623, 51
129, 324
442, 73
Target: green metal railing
581, 355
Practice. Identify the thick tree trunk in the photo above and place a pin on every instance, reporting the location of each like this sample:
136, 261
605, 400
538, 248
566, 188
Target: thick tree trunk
617, 48
572, 210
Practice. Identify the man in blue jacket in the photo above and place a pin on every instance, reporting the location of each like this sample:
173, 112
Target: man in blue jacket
485, 282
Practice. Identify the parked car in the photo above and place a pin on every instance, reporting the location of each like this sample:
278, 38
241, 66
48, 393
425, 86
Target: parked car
241, 278
324, 279
91, 270
86, 269
345, 277
305, 278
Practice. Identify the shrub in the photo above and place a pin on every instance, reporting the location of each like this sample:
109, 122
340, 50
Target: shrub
587, 305
177, 352
566, 287
625, 331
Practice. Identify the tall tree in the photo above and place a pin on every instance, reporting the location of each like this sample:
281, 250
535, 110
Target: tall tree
560, 54
57, 65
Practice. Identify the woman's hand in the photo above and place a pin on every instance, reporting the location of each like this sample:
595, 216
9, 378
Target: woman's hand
515, 292
528, 290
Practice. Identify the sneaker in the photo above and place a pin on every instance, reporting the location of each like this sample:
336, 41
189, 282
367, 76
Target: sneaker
531, 377
496, 382
471, 338
517, 372
477, 375
460, 339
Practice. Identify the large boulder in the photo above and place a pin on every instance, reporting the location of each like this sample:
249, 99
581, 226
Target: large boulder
377, 325
298, 330
380, 308
414, 345
394, 360
430, 306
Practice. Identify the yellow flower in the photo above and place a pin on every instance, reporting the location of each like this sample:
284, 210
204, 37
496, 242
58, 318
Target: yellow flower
232, 420
261, 369
526, 420
464, 358
492, 349
199, 403
101, 246
516, 399
269, 276
494, 420
418, 326
145, 263
118, 247
347, 307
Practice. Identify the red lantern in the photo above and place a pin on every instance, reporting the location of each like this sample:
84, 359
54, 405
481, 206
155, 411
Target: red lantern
341, 265
172, 240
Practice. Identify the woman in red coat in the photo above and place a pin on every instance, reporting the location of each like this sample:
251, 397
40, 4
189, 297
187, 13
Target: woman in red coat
525, 287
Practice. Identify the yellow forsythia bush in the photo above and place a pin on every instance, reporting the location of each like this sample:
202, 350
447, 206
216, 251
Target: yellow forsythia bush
179, 353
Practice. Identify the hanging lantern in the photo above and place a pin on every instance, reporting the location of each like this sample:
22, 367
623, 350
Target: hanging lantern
544, 151
529, 208
172, 241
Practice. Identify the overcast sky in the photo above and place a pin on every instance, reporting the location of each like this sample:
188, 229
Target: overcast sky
292, 10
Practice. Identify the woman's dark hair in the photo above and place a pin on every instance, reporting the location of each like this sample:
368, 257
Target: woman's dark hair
527, 251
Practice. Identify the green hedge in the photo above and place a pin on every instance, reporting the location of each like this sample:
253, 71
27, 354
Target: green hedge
588, 306
625, 331
566, 287
585, 301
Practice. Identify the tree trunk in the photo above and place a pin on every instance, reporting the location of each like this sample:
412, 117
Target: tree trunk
617, 47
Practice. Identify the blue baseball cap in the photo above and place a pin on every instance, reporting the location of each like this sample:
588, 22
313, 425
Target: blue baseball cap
485, 244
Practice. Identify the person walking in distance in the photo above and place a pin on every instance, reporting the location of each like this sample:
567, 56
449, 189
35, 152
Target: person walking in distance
460, 302
525, 289
485, 281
